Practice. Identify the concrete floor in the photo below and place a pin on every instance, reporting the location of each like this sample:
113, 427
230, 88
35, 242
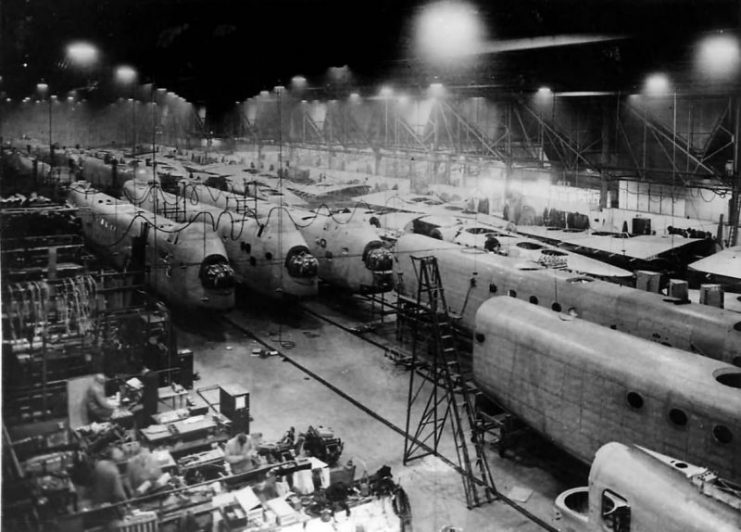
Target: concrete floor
282, 396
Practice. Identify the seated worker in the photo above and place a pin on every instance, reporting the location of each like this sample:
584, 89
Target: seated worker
240, 454
98, 407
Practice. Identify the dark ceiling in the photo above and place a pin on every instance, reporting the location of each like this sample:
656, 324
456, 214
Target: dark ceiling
217, 51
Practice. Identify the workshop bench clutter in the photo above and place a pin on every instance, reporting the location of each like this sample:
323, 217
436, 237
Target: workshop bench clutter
303, 493
377, 505
175, 473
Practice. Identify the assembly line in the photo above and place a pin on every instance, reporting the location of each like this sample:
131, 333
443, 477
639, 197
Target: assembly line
426, 265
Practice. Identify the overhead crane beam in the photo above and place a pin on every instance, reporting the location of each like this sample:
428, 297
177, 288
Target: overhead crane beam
414, 140
309, 125
562, 143
335, 130
342, 121
247, 128
482, 142
675, 141
718, 127
514, 109
448, 127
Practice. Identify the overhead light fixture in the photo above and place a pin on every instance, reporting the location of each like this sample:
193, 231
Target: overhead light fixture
719, 56
657, 84
447, 30
82, 53
125, 74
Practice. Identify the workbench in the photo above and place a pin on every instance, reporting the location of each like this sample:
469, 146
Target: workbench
178, 396
188, 435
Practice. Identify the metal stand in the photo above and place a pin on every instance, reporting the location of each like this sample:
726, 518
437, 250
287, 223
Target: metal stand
438, 381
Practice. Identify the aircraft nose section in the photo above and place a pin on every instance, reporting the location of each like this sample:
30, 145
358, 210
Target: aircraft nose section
300, 263
216, 274
379, 259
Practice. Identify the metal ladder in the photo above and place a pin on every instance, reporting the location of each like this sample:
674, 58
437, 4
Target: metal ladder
440, 382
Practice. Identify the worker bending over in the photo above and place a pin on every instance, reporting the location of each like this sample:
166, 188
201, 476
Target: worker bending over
240, 454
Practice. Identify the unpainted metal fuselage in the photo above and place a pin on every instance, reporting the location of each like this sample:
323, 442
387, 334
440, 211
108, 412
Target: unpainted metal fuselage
350, 253
101, 174
268, 254
470, 277
583, 385
182, 264
652, 493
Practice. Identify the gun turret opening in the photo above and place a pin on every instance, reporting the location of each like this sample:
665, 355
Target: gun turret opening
553, 258
492, 244
216, 274
377, 258
301, 263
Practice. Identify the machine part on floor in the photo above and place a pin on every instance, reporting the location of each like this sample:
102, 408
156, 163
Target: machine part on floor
281, 450
322, 443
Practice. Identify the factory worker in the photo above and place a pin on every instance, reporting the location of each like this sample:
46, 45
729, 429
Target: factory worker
239, 453
107, 486
99, 408
142, 468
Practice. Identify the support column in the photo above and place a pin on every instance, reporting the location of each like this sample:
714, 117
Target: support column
604, 156
735, 205
507, 182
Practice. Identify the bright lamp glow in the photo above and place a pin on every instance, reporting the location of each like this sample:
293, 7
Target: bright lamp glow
386, 92
125, 74
544, 96
82, 53
448, 29
436, 90
719, 56
657, 84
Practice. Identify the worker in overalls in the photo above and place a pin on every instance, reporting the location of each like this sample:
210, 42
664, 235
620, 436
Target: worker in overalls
240, 454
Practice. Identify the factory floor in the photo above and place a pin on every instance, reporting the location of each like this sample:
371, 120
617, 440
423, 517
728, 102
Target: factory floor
283, 396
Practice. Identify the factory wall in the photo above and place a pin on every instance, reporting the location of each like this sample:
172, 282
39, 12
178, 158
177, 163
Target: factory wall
615, 220
694, 203
91, 124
